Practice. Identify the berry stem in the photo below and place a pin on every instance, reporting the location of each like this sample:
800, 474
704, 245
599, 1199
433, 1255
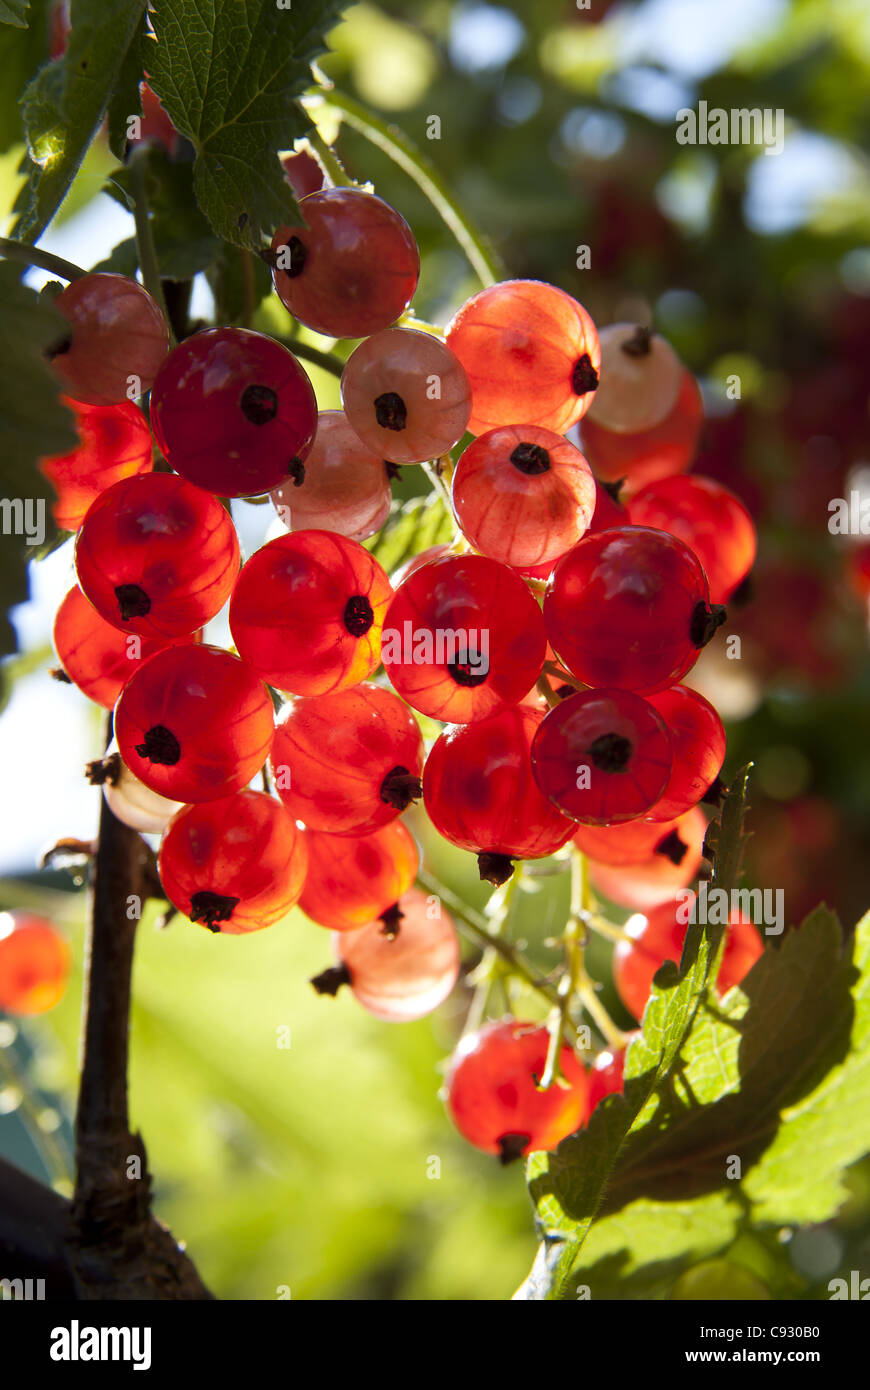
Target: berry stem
543, 686
33, 255
326, 360
413, 162
332, 165
144, 237
437, 480
476, 929
563, 677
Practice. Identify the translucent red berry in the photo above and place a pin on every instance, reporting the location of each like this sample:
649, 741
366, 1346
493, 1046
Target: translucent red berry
606, 1075
402, 976
34, 964
658, 936
462, 638
645, 874
156, 556
698, 742
116, 342
493, 1096
354, 879
307, 612
667, 448
531, 353
347, 762
641, 377
629, 608
352, 269
233, 412
235, 865
194, 723
342, 486
480, 794
94, 654
406, 395
115, 443
709, 518
303, 173
602, 756
523, 495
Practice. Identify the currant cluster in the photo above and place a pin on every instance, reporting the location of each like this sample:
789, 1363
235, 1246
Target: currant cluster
550, 638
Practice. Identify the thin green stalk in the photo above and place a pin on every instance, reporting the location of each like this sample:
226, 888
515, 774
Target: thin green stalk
403, 152
144, 237
46, 260
333, 166
312, 354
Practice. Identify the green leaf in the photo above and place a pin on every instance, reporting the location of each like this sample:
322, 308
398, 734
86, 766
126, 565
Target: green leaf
23, 49
229, 76
126, 99
65, 103
415, 526
777, 1076
14, 12
33, 423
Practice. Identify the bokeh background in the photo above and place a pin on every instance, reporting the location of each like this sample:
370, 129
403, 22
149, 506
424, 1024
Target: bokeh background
311, 1167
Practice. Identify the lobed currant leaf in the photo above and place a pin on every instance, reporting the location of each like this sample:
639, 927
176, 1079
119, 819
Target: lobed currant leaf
64, 104
229, 76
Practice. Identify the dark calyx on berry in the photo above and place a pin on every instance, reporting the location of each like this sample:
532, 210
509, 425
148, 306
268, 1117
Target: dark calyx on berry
638, 345
331, 980
391, 412
468, 673
584, 376
390, 922
393, 470
298, 253
400, 787
103, 770
672, 847
211, 908
160, 746
715, 793
57, 673
259, 404
133, 601
530, 459
705, 620
610, 752
511, 1147
60, 348
612, 489
296, 470
358, 615
494, 868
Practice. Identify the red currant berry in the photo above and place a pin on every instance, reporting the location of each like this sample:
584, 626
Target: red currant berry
641, 377
194, 723
609, 512
698, 742
156, 125
352, 269
116, 342
157, 557
233, 412
129, 799
462, 638
115, 443
93, 653
480, 794
349, 762
303, 173
709, 518
403, 976
493, 1096
644, 881
531, 353
357, 879
523, 495
307, 612
629, 608
658, 936
606, 1075
236, 864
633, 841
602, 756
406, 395
342, 486
641, 458
34, 964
